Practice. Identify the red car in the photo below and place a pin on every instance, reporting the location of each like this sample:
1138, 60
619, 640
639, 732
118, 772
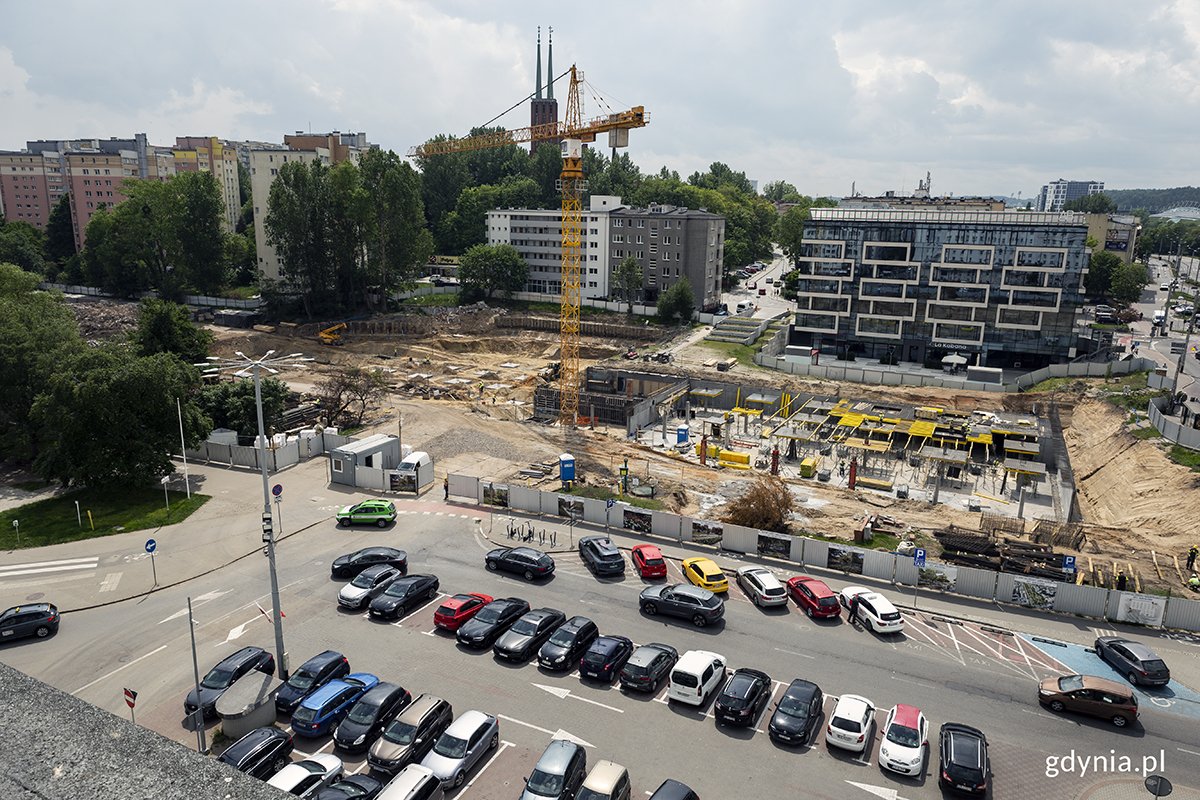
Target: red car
458, 609
812, 595
648, 561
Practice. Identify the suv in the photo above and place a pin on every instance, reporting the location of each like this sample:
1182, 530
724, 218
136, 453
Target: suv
222, 676
322, 710
1090, 695
312, 675
558, 773
528, 562
37, 619
873, 610
370, 714
761, 586
745, 695
700, 606
408, 738
567, 644
368, 512
964, 764
601, 555
261, 752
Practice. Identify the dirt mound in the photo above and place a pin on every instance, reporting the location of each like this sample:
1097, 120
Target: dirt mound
104, 319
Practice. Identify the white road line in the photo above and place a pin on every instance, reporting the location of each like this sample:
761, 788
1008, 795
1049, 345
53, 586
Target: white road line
793, 653
118, 669
503, 746
910, 680
1189, 752
1046, 716
421, 608
430, 633
998, 656
109, 584
93, 560
527, 724
42, 570
328, 747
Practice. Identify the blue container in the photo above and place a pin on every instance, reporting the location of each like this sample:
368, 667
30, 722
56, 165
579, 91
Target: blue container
566, 467
681, 434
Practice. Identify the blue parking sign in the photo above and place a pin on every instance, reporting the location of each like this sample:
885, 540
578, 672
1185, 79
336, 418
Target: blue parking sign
1069, 563
919, 557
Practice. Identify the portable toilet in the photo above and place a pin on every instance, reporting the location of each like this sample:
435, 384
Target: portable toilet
566, 468
681, 434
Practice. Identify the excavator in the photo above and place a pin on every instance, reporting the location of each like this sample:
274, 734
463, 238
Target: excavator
332, 334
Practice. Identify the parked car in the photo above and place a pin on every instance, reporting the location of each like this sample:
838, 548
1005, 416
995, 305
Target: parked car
695, 677
705, 573
700, 606
262, 752
352, 787
35, 619
607, 781
402, 594
814, 597
674, 790
528, 562
761, 586
311, 675
414, 782
495, 618
905, 737
874, 610
1140, 665
648, 561
558, 773
461, 747
456, 610
850, 723
601, 555
528, 633
648, 666
368, 512
605, 657
368, 717
367, 585
324, 709
963, 763
222, 676
568, 642
351, 564
744, 696
306, 778
1087, 694
797, 713
409, 736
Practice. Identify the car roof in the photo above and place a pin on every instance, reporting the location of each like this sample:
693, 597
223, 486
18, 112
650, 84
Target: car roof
852, 704
609, 642
467, 723
908, 716
819, 587
28, 607
1105, 685
576, 622
321, 659
507, 601
540, 614
645, 653
1136, 648
251, 742
647, 549
739, 685
379, 692
406, 780
375, 569
687, 588
458, 599
800, 688
966, 745
604, 776
704, 563
391, 551
241, 656
532, 552
673, 790
694, 660
321, 696
557, 756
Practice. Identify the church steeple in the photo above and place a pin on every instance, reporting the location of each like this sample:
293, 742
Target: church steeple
549, 65
539, 64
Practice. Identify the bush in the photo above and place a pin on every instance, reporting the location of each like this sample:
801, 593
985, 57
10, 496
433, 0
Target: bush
766, 505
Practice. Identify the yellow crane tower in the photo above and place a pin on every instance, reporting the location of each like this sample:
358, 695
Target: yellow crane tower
574, 132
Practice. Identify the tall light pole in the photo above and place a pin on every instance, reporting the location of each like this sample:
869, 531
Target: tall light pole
242, 367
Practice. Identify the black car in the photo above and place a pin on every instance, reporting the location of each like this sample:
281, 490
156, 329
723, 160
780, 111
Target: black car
222, 676
601, 555
528, 562
797, 713
963, 761
351, 787
403, 594
35, 619
351, 564
312, 675
674, 790
647, 667
745, 695
262, 752
370, 715
485, 628
683, 600
605, 658
527, 634
567, 644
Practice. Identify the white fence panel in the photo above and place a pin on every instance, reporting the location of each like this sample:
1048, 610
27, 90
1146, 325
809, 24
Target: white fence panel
593, 511
1136, 609
243, 456
976, 582
740, 539
1004, 587
1182, 614
664, 523
522, 498
907, 572
465, 486
878, 564
371, 478
797, 554
287, 455
1089, 601
221, 453
816, 552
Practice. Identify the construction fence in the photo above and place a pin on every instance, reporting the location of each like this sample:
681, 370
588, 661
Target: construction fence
1060, 597
281, 457
1169, 428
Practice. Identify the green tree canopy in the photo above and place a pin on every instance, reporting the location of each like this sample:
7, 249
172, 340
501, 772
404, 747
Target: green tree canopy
781, 192
164, 327
1102, 267
486, 269
627, 279
1093, 204
60, 232
297, 226
677, 301
23, 245
231, 404
398, 241
1128, 281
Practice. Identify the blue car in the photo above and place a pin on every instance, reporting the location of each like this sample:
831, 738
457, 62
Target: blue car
324, 709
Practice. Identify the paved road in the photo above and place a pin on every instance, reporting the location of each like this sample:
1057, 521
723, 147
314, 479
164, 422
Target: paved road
961, 672
1159, 348
769, 304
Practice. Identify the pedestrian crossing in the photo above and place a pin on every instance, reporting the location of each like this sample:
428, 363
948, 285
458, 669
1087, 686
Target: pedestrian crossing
48, 568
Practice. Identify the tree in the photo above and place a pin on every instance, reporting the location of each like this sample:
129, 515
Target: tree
1099, 203
23, 245
398, 242
719, 175
789, 231
677, 301
347, 387
196, 244
164, 327
84, 416
1102, 266
486, 269
627, 278
60, 232
781, 192
1128, 281
767, 505
230, 404
242, 258
297, 226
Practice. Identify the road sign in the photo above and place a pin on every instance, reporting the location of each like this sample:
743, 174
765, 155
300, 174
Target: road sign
919, 557
130, 697
610, 503
151, 545
277, 489
1069, 563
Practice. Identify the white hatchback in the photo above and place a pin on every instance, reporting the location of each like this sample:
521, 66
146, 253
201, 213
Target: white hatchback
850, 724
905, 737
873, 609
306, 778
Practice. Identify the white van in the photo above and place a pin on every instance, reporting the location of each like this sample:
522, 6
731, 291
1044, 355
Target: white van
696, 676
1160, 317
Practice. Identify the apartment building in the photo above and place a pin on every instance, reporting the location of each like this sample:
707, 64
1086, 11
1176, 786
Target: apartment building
30, 185
1056, 194
210, 154
1002, 288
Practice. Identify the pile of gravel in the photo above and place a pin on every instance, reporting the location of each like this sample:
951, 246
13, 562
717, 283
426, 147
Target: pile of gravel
457, 442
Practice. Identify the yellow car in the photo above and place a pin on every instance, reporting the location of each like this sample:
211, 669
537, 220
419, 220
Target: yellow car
705, 573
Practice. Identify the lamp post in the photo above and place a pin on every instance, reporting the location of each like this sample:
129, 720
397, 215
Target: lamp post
243, 366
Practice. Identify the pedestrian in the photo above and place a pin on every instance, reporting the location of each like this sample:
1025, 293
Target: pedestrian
853, 610
1192, 553
1121, 580
446, 488
1194, 582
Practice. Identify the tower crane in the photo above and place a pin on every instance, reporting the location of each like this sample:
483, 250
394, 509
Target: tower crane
573, 132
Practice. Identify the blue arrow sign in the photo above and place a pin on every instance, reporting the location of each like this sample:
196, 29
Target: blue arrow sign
919, 557
151, 545
610, 503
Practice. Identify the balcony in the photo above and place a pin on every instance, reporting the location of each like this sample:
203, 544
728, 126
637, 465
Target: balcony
891, 273
957, 333
869, 289
1019, 319
821, 249
884, 308
814, 286
945, 313
1048, 300
838, 305
957, 276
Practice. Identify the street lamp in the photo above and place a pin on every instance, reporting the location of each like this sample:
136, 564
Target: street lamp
243, 366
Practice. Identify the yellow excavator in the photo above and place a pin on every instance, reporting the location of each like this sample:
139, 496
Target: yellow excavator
332, 334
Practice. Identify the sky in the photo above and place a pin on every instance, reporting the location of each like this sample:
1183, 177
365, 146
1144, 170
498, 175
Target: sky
990, 98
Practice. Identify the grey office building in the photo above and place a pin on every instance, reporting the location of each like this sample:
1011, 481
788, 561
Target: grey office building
1056, 194
672, 244
1002, 288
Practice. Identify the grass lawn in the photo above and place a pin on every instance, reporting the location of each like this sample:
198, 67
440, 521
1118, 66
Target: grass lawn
432, 300
53, 521
1053, 384
1149, 432
1184, 456
241, 292
600, 493
744, 353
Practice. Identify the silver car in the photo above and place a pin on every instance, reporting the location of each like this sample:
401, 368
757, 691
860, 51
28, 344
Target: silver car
761, 586
461, 747
367, 585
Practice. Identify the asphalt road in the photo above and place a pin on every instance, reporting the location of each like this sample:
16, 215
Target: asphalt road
954, 673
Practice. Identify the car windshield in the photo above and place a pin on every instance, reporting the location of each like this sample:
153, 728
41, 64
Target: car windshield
544, 783
301, 680
447, 611
904, 736
491, 614
563, 638
400, 733
450, 746
363, 713
304, 714
364, 580
1154, 665
398, 589
1070, 683
525, 626
595, 657
218, 678
793, 706
591, 794
652, 561
849, 725
827, 601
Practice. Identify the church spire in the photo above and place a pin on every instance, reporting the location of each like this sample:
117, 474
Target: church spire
539, 63
550, 66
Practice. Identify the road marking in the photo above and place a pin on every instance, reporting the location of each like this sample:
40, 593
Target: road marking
207, 597
1047, 716
109, 584
503, 746
118, 669
42, 567
558, 734
430, 633
1185, 750
563, 693
910, 680
236, 632
884, 792
793, 653
32, 564
440, 595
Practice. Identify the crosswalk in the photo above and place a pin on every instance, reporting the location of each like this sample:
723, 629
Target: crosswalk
48, 568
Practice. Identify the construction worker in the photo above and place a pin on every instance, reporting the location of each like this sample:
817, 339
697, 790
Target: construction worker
1121, 581
1194, 582
446, 488
1192, 553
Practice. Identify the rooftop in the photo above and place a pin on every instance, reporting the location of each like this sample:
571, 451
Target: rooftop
973, 217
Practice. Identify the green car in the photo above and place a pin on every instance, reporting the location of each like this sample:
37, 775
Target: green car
368, 512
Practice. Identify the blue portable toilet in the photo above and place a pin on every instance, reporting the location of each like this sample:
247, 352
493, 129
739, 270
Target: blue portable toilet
566, 467
681, 434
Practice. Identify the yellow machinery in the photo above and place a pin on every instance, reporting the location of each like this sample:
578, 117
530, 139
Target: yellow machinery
332, 334
574, 133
